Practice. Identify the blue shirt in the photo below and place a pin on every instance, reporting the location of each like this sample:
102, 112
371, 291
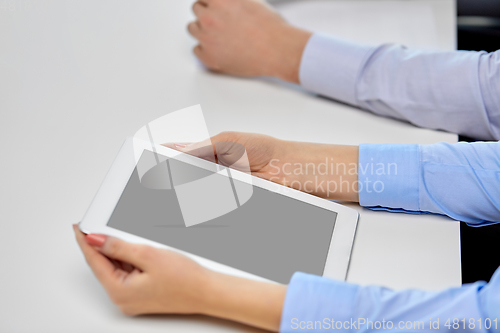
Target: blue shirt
459, 180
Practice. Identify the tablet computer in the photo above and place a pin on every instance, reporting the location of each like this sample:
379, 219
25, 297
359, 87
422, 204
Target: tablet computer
262, 230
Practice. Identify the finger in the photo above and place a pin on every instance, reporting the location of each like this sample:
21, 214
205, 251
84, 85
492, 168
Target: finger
127, 267
137, 255
176, 146
202, 149
122, 269
194, 29
118, 264
199, 8
230, 151
201, 54
100, 265
221, 148
123, 266
198, 52
232, 154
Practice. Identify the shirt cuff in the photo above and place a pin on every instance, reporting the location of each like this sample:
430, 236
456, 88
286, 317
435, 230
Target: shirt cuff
331, 66
311, 299
388, 176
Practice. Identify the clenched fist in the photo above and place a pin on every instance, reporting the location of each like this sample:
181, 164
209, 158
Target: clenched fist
247, 38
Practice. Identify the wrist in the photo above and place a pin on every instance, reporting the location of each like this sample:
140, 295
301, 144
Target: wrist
206, 296
290, 44
242, 300
324, 170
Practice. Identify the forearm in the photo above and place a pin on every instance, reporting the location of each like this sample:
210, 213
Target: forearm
246, 301
325, 170
406, 178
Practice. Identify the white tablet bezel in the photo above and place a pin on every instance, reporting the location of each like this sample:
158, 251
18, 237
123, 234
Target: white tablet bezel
102, 207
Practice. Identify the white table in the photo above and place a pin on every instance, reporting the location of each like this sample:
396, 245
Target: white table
77, 77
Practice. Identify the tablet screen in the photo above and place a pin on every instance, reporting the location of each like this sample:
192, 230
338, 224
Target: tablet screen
271, 235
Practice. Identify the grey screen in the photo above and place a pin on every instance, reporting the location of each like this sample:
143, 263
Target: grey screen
271, 235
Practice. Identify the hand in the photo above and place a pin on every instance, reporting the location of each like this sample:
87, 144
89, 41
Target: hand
228, 147
247, 38
328, 171
143, 279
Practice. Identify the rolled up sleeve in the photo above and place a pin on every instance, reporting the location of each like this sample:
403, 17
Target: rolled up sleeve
312, 299
316, 304
388, 176
461, 180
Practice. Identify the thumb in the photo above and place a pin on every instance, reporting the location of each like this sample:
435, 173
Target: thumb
222, 148
137, 255
202, 149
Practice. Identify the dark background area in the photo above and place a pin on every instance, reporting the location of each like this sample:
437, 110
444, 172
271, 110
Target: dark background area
478, 27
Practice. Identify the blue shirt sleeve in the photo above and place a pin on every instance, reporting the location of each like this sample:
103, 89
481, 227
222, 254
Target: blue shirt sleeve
460, 180
315, 304
453, 91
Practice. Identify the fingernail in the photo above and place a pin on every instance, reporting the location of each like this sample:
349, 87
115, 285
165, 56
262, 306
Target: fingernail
95, 240
180, 145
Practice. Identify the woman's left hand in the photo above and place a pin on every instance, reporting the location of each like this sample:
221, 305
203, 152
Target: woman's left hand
143, 279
